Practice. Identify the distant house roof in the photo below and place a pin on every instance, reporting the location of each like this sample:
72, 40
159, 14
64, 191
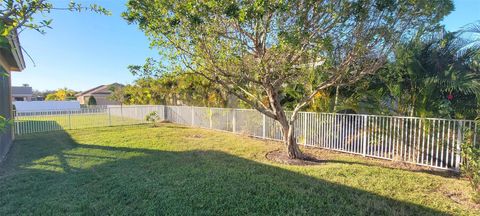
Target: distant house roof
103, 89
21, 91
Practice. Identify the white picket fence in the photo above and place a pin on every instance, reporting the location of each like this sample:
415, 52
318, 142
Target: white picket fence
423, 141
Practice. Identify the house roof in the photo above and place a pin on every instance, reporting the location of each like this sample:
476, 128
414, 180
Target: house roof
21, 90
103, 89
11, 55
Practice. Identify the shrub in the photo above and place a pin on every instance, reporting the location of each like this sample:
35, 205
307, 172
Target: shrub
153, 118
471, 165
92, 101
4, 123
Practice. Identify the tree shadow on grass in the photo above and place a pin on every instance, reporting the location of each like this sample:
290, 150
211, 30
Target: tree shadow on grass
29, 126
59, 176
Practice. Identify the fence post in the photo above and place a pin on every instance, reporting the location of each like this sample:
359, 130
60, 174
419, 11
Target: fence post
193, 116
365, 134
70, 119
305, 129
109, 117
234, 121
165, 115
458, 147
210, 113
121, 111
264, 125
14, 125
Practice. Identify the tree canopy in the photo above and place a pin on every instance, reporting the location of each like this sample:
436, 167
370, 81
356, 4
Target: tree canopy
255, 48
61, 95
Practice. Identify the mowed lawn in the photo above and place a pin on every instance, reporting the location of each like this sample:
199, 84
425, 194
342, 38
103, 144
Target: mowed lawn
38, 123
176, 170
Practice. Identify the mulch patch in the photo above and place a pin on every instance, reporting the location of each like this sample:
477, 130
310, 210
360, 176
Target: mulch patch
280, 156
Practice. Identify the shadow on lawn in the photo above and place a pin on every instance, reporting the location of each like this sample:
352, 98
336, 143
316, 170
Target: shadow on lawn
37, 125
95, 179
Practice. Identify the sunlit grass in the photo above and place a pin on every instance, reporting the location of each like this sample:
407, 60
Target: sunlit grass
178, 170
39, 123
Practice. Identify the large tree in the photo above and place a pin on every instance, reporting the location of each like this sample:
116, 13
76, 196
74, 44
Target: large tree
431, 76
256, 48
61, 95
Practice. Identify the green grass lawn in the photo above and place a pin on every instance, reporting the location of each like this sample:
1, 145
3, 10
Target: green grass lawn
74, 121
182, 171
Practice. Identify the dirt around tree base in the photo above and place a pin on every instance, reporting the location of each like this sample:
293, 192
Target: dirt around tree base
279, 156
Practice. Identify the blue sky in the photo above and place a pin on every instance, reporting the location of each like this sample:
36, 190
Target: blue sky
84, 50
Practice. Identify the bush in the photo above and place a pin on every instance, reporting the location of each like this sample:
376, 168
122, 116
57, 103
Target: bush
4, 123
153, 118
92, 101
471, 165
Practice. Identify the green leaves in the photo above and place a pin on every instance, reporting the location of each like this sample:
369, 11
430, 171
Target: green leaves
257, 49
19, 14
471, 164
4, 124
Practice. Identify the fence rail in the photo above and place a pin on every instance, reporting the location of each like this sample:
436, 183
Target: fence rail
429, 142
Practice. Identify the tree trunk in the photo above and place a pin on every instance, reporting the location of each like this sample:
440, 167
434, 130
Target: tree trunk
337, 94
291, 145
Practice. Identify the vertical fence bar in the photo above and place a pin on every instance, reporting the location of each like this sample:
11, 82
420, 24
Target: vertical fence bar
458, 146
365, 134
442, 149
210, 114
263, 125
193, 115
305, 128
70, 119
109, 116
475, 135
234, 121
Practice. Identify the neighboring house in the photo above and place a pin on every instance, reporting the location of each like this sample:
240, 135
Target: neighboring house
100, 93
22, 93
11, 59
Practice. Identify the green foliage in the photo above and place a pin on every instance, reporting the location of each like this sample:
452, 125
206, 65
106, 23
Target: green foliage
3, 74
91, 101
175, 88
471, 164
4, 123
19, 14
154, 118
257, 48
428, 77
61, 95
117, 94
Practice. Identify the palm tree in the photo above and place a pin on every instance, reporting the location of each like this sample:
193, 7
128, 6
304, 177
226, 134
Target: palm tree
429, 77
471, 36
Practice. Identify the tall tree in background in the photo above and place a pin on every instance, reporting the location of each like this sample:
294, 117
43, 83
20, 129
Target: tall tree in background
117, 94
91, 101
256, 48
175, 88
61, 95
431, 76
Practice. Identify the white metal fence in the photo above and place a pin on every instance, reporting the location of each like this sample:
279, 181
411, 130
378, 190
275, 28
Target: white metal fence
423, 141
43, 121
